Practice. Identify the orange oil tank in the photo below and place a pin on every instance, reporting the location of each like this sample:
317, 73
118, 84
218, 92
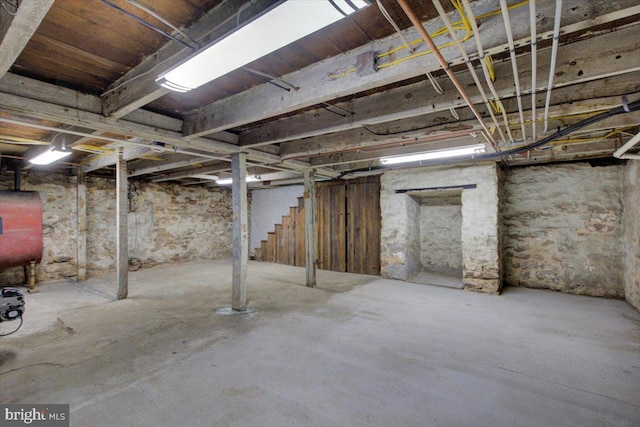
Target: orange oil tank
20, 228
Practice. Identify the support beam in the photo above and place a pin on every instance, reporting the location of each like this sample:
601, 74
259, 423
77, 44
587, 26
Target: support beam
122, 246
70, 116
81, 227
172, 162
240, 231
309, 229
16, 31
579, 62
317, 84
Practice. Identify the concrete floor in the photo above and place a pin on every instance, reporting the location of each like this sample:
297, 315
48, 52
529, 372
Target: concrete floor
434, 279
356, 351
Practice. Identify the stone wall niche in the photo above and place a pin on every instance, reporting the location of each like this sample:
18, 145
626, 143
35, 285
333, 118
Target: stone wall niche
442, 221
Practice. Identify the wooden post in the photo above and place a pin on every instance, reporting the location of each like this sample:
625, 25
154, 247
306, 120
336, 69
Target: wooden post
81, 229
309, 223
240, 231
122, 227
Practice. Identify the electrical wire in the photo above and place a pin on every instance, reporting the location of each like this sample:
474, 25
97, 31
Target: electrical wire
16, 330
147, 24
161, 19
15, 6
388, 17
462, 25
634, 106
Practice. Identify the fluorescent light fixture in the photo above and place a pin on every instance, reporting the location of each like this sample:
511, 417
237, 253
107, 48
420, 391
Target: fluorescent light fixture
280, 26
49, 156
228, 181
211, 177
436, 154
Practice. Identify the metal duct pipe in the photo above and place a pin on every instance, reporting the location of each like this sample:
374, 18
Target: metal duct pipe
445, 66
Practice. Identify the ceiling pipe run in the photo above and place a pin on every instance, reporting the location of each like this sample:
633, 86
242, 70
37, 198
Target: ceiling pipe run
472, 70
445, 66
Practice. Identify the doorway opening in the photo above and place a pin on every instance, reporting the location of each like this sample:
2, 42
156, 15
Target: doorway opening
436, 238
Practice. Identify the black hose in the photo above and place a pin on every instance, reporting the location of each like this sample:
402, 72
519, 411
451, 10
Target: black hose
627, 108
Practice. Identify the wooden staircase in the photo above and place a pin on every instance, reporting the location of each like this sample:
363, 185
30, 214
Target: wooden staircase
347, 229
285, 245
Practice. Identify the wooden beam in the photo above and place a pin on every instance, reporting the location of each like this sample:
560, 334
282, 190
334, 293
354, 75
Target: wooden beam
309, 229
16, 30
67, 115
138, 86
420, 98
122, 214
240, 231
25, 87
316, 84
174, 161
566, 100
81, 227
204, 170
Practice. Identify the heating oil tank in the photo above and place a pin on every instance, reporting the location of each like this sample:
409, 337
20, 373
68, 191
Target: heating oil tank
20, 228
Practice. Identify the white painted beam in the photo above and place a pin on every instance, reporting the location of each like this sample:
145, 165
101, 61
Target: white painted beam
316, 84
16, 30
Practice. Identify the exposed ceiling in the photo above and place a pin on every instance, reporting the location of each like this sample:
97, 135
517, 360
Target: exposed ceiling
83, 72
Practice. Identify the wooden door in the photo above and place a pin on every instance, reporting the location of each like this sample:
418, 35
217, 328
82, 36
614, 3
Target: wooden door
363, 225
330, 213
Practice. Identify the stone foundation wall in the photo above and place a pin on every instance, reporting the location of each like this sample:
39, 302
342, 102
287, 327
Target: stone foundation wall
441, 233
632, 232
480, 220
167, 223
564, 228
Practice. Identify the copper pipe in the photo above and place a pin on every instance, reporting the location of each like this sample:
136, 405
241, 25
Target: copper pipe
445, 66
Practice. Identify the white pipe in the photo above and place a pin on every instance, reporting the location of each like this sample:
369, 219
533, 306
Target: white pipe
552, 69
534, 66
472, 70
514, 63
620, 152
485, 71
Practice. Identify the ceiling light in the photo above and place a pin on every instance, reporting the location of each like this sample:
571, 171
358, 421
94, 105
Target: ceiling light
228, 181
289, 21
50, 156
436, 154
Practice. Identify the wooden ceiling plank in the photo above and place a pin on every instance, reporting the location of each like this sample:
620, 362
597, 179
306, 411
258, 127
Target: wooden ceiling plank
317, 86
15, 31
579, 63
138, 86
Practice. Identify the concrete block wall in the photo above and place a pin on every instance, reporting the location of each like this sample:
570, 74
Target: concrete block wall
631, 204
168, 223
564, 228
480, 222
